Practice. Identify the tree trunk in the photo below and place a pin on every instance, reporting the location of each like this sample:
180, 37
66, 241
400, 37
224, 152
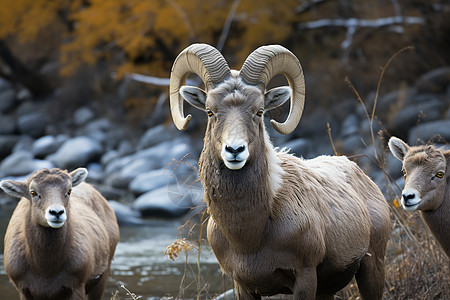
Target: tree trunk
37, 85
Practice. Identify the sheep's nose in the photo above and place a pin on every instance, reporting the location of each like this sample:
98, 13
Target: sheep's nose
56, 212
407, 197
235, 150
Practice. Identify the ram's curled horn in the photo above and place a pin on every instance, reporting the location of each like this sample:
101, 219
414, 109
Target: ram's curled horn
266, 62
205, 61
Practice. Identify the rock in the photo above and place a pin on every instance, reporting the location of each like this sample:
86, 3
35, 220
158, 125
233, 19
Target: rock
168, 201
47, 145
350, 126
149, 181
410, 115
126, 215
25, 143
155, 135
229, 294
23, 94
109, 192
7, 99
365, 128
351, 145
435, 81
393, 166
95, 172
439, 131
385, 103
300, 147
130, 171
165, 152
33, 124
82, 116
7, 143
7, 124
22, 163
76, 152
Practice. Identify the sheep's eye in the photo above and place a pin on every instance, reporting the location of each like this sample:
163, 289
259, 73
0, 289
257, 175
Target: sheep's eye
209, 112
440, 174
33, 194
69, 192
404, 172
260, 112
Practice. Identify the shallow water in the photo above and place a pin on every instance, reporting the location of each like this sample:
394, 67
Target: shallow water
141, 266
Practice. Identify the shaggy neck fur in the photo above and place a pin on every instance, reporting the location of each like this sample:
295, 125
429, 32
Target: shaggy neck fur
237, 197
53, 242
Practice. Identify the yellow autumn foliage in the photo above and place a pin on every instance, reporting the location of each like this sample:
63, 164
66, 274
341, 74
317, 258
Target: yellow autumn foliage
145, 36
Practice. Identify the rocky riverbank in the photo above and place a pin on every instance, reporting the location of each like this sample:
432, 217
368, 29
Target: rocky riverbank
154, 174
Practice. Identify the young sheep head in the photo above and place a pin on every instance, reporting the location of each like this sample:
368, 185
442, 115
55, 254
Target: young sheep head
48, 192
236, 100
425, 169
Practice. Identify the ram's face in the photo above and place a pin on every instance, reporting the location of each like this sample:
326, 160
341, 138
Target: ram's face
235, 125
235, 118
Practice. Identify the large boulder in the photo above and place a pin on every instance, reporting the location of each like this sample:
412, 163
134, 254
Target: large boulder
33, 124
22, 163
169, 201
439, 131
76, 152
48, 144
150, 180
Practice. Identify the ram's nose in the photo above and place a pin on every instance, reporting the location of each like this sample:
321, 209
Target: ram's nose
235, 151
235, 155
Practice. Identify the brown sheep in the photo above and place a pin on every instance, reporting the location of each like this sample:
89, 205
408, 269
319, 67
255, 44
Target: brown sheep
61, 237
427, 186
278, 223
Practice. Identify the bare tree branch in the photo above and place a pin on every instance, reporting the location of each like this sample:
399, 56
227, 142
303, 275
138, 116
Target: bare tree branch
226, 27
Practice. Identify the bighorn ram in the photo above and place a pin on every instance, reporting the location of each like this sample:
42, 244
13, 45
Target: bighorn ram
427, 186
60, 241
278, 223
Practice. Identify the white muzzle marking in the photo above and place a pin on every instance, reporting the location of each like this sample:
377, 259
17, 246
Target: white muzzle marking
410, 199
56, 215
235, 153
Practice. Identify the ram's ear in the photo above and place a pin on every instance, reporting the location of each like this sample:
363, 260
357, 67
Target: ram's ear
15, 189
78, 176
398, 147
194, 96
276, 97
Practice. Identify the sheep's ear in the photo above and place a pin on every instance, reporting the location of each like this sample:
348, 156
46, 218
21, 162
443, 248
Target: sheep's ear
194, 96
15, 189
398, 147
276, 97
78, 176
447, 158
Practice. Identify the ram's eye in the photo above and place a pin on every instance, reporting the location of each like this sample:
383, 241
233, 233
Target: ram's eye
209, 112
33, 194
69, 192
260, 112
404, 172
440, 174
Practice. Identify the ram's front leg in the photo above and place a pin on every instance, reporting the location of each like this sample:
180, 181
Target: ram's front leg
305, 284
243, 294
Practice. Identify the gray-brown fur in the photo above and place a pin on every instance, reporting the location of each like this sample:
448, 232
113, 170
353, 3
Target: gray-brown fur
278, 223
424, 189
70, 262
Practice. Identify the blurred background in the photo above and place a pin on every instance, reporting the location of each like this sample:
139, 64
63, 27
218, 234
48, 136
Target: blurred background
85, 83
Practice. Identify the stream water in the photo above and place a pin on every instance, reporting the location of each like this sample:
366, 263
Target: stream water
141, 266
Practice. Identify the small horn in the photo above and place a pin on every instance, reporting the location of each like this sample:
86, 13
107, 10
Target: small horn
205, 61
266, 62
